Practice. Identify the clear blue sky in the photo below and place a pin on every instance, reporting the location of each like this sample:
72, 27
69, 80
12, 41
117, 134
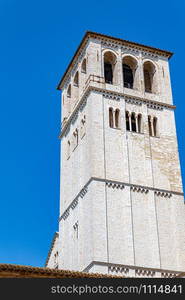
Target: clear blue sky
38, 39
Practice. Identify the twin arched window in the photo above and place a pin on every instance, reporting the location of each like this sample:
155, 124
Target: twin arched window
152, 126
114, 118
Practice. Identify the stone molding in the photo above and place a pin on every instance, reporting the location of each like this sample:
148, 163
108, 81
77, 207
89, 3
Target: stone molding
134, 271
113, 96
116, 185
139, 189
163, 194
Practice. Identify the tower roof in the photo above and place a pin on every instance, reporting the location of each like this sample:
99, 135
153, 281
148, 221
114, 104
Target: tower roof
95, 35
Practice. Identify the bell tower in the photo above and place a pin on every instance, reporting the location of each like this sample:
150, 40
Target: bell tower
122, 204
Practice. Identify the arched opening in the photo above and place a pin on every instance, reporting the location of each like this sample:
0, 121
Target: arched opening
127, 120
139, 120
133, 122
69, 91
117, 118
128, 78
155, 126
84, 66
150, 125
109, 67
129, 65
76, 79
149, 77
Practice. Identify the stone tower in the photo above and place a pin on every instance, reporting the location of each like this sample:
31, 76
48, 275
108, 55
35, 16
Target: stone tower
122, 205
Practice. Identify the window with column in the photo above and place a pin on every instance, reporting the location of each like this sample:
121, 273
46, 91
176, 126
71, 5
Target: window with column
133, 121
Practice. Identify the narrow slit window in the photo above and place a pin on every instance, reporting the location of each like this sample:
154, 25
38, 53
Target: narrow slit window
76, 79
69, 91
84, 66
155, 126
117, 118
150, 125
68, 149
133, 122
111, 123
127, 121
139, 119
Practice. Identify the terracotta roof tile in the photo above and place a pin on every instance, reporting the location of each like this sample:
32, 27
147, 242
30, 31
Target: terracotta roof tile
11, 270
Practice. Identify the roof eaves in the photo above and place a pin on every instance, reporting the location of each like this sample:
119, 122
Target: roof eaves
96, 35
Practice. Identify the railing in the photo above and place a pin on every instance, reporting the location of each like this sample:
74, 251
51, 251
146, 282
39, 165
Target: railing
94, 78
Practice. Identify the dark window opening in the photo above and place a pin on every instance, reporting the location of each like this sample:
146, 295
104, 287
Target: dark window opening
139, 123
108, 73
148, 84
133, 122
155, 126
150, 125
111, 118
69, 91
76, 79
117, 118
128, 76
84, 68
127, 121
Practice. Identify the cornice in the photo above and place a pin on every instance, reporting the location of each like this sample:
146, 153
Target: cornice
117, 185
109, 40
114, 96
56, 235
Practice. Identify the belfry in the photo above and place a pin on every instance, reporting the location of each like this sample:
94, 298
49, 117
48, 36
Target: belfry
122, 203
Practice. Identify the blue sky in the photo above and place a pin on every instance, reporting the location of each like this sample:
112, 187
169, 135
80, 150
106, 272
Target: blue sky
38, 39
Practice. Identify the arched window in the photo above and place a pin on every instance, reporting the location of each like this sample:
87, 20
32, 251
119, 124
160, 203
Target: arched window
127, 120
155, 126
139, 120
111, 122
150, 125
133, 122
129, 72
69, 91
84, 66
127, 77
109, 67
148, 83
117, 118
76, 79
108, 73
149, 78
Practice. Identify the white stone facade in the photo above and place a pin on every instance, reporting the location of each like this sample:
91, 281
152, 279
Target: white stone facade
121, 192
